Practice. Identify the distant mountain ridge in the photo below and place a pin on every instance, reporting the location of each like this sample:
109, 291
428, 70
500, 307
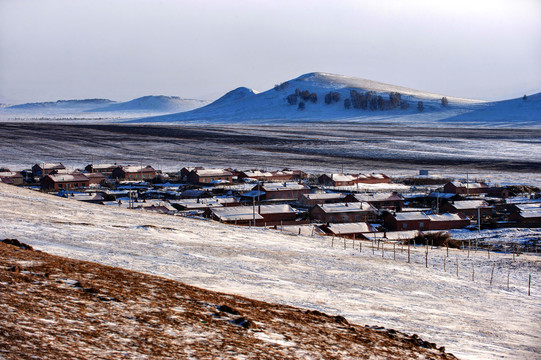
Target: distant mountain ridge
154, 103
61, 104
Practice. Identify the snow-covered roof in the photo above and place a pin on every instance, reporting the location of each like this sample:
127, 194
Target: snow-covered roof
212, 172
324, 196
136, 169
528, 206
195, 204
10, 174
379, 197
50, 166
350, 228
446, 217
531, 213
470, 185
342, 177
283, 186
347, 207
470, 204
275, 209
236, 213
258, 174
68, 177
410, 216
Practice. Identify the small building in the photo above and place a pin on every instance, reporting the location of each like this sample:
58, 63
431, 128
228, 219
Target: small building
105, 169
283, 175
186, 170
64, 181
469, 208
287, 191
469, 188
134, 173
209, 176
195, 204
39, 170
447, 221
268, 215
373, 179
337, 180
12, 177
344, 212
313, 199
389, 201
528, 214
400, 221
348, 230
96, 178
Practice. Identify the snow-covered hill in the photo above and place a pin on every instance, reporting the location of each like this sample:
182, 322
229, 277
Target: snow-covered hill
274, 106
60, 106
153, 104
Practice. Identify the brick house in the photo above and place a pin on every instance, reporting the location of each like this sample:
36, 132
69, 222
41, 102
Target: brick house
337, 180
43, 169
12, 177
96, 178
283, 175
469, 208
64, 181
344, 212
447, 221
461, 188
105, 169
263, 214
373, 179
281, 191
313, 199
209, 176
390, 201
526, 214
134, 173
348, 230
415, 220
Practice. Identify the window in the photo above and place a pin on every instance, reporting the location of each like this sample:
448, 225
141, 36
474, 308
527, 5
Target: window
421, 224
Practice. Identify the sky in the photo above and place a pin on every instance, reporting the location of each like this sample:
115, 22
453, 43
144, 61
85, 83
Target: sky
123, 49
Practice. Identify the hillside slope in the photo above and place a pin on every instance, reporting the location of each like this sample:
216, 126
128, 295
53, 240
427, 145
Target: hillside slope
153, 104
54, 307
473, 320
273, 105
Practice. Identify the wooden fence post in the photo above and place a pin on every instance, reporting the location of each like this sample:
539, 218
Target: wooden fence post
492, 272
508, 272
457, 266
394, 251
382, 249
472, 273
444, 263
529, 283
408, 252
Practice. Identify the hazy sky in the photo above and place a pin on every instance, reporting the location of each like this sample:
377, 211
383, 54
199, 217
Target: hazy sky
123, 49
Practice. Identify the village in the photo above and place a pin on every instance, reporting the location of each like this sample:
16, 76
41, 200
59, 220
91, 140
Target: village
338, 205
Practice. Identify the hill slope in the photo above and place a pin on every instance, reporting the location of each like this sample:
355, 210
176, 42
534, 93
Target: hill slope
153, 104
54, 307
273, 105
301, 271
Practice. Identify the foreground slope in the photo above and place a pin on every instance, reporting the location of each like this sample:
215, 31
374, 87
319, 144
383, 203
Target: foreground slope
473, 320
54, 307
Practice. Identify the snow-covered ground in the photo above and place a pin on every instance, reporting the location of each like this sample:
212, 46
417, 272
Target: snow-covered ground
471, 319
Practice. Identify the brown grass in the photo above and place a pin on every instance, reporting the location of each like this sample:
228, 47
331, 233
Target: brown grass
57, 308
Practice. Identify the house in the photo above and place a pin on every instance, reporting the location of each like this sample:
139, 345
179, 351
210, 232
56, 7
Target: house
186, 170
105, 169
389, 201
310, 200
39, 170
400, 221
134, 173
11, 177
373, 179
469, 188
397, 236
284, 175
344, 212
526, 214
348, 230
337, 180
262, 215
64, 181
209, 176
469, 208
498, 192
287, 191
447, 221
96, 178
195, 204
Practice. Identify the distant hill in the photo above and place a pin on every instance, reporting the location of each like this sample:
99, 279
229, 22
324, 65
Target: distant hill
329, 97
282, 102
79, 105
153, 104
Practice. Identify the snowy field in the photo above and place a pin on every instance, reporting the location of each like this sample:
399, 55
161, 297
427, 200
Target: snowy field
472, 319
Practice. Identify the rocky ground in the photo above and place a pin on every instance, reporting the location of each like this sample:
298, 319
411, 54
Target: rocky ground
58, 308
